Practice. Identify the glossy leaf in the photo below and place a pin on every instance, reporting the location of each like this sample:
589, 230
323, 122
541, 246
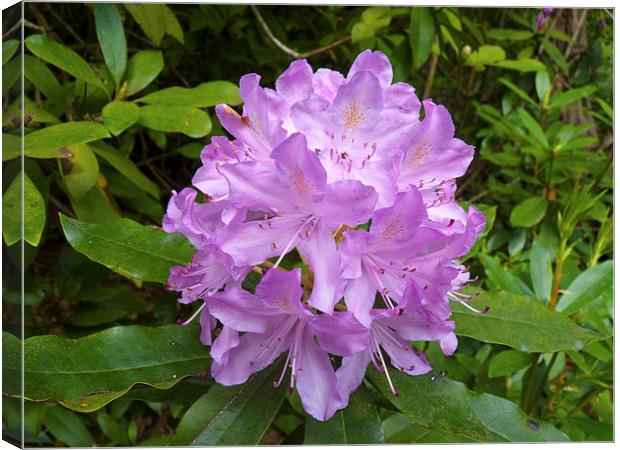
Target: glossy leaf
507, 34
84, 170
42, 77
234, 415
94, 207
125, 166
564, 98
485, 55
11, 146
443, 404
517, 90
358, 423
543, 84
62, 57
541, 272
421, 35
204, 95
9, 47
521, 323
533, 127
502, 278
151, 19
142, 69
591, 284
67, 427
34, 212
111, 36
103, 363
192, 122
529, 212
52, 141
118, 116
522, 65
508, 362
129, 248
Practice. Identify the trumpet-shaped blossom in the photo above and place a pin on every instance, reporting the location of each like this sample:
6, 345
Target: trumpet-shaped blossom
275, 321
353, 178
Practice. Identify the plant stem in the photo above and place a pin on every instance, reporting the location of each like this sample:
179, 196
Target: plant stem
557, 275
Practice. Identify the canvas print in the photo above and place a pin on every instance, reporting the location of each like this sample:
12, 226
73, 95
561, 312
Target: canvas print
306, 224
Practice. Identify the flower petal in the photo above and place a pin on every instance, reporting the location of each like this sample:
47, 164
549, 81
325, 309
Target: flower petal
207, 324
316, 380
358, 103
375, 62
295, 83
347, 202
320, 251
359, 296
340, 334
351, 373
281, 291
242, 311
226, 341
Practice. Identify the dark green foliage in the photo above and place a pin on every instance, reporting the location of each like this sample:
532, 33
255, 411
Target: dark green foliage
118, 103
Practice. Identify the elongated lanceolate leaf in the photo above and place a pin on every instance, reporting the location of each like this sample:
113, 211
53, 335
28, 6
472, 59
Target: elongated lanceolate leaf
33, 210
129, 248
521, 323
51, 142
206, 94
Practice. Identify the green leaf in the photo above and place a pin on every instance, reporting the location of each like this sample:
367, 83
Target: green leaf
529, 212
235, 415
587, 287
508, 34
42, 77
51, 142
533, 127
11, 146
564, 98
555, 54
192, 122
485, 55
104, 364
84, 170
358, 423
67, 427
372, 20
94, 207
521, 323
151, 19
517, 90
129, 248
421, 35
118, 116
508, 362
111, 36
543, 84
173, 27
9, 47
142, 69
522, 65
62, 57
443, 404
541, 272
204, 95
113, 429
502, 278
125, 166
10, 74
34, 212
606, 107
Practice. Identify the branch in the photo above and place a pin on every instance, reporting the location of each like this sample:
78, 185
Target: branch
289, 51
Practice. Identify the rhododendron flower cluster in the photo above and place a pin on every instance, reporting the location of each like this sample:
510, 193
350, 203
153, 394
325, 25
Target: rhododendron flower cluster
355, 178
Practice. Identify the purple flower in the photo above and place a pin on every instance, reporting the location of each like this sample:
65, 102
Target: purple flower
343, 172
390, 332
547, 11
275, 321
300, 208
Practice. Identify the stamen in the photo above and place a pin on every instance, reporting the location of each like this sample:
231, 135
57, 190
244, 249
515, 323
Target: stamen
188, 321
291, 242
277, 383
395, 393
477, 311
